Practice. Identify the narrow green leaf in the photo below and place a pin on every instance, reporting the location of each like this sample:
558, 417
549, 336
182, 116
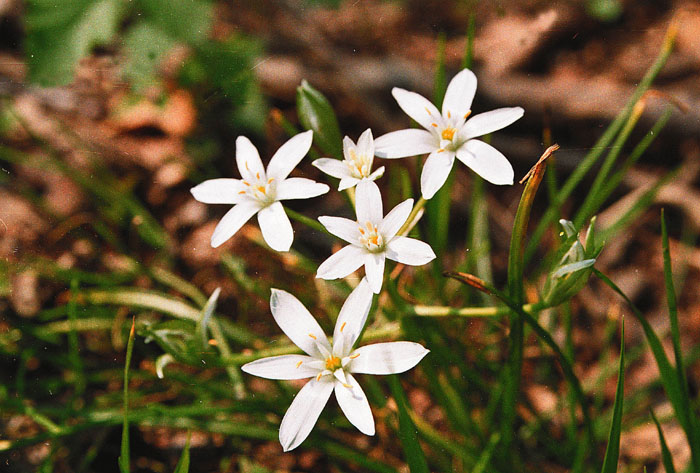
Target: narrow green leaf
439, 78
317, 114
599, 147
183, 465
124, 460
407, 430
666, 457
677, 395
612, 452
516, 295
469, 49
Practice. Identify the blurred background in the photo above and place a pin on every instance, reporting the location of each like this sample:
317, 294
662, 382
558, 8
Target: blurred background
110, 111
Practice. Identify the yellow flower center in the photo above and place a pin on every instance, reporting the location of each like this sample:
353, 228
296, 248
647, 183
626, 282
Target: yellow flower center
370, 237
262, 190
448, 133
333, 363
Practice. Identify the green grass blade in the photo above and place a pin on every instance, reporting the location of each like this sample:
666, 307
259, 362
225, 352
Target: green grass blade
124, 459
183, 465
407, 430
517, 296
599, 147
612, 452
592, 201
666, 457
693, 433
316, 113
669, 376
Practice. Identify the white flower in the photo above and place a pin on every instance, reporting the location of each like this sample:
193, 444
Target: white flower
260, 191
329, 365
450, 134
357, 164
372, 239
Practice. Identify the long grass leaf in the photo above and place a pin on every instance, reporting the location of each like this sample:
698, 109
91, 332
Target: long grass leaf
124, 457
612, 452
666, 457
603, 142
412, 450
183, 465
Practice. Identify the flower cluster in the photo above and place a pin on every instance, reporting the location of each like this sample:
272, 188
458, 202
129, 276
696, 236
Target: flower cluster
372, 239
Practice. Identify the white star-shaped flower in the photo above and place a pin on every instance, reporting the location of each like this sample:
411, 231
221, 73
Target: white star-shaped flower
357, 164
373, 238
329, 365
450, 134
260, 191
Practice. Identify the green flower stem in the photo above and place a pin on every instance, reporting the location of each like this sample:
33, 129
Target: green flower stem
413, 218
442, 311
309, 222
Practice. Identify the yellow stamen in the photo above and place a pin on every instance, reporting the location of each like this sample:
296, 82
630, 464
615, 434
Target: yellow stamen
242, 192
346, 386
441, 150
467, 114
343, 326
448, 133
270, 180
449, 115
427, 110
318, 378
352, 357
333, 363
312, 336
299, 364
434, 124
257, 174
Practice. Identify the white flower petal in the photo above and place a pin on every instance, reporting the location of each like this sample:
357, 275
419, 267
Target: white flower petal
368, 202
487, 122
347, 183
435, 172
354, 405
352, 318
297, 323
459, 95
341, 263
417, 107
276, 227
387, 358
365, 144
219, 191
409, 251
379, 172
332, 167
232, 221
282, 367
289, 155
348, 145
299, 188
403, 143
341, 227
304, 412
395, 219
248, 159
374, 270
486, 161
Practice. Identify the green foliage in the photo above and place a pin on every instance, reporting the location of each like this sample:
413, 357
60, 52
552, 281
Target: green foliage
60, 34
407, 430
224, 73
612, 452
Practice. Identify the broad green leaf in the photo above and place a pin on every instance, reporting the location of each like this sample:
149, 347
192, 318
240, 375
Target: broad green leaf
612, 452
60, 33
146, 44
316, 113
187, 21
